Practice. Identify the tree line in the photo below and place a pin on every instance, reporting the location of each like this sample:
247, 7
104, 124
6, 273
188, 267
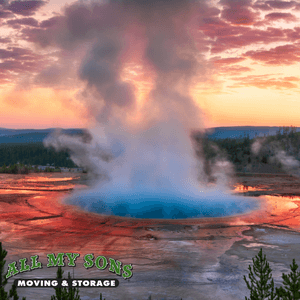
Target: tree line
33, 154
250, 155
239, 151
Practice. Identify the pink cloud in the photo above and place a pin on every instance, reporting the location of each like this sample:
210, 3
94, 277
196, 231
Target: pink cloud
51, 22
5, 40
23, 21
225, 36
246, 37
238, 12
226, 66
242, 16
233, 70
13, 52
297, 7
5, 14
288, 17
281, 55
281, 4
228, 61
25, 7
261, 5
223, 28
263, 82
215, 27
17, 61
294, 35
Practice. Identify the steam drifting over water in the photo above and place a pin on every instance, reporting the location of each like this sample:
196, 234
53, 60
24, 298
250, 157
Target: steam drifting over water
145, 168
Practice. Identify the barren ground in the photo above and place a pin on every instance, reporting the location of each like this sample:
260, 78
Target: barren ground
188, 259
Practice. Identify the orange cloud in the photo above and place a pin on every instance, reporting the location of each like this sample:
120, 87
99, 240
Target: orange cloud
263, 82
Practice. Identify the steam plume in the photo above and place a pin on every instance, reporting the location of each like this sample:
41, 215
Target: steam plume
149, 166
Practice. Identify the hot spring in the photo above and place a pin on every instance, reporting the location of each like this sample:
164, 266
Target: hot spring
164, 205
154, 174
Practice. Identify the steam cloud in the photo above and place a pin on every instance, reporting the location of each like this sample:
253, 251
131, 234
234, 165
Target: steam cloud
149, 170
256, 146
289, 163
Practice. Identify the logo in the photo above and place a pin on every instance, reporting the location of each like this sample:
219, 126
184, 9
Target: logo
100, 262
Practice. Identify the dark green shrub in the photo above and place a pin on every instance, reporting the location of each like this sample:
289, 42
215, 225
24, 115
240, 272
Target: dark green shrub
3, 281
261, 284
65, 293
291, 284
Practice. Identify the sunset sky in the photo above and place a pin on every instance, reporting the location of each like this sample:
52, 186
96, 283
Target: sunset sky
247, 60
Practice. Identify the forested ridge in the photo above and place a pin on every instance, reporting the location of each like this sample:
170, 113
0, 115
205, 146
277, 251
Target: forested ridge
33, 154
270, 154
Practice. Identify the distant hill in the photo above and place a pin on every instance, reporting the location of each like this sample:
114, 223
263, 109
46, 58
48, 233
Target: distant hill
24, 136
241, 131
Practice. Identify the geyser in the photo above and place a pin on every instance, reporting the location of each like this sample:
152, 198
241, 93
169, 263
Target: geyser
153, 175
140, 150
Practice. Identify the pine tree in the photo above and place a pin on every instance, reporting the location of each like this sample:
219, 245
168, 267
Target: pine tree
291, 284
72, 293
13, 293
261, 284
3, 281
63, 293
59, 290
101, 297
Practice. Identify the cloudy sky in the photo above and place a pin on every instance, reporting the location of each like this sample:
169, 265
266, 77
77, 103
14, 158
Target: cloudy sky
67, 64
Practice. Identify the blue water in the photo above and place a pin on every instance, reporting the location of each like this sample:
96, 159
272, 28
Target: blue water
165, 205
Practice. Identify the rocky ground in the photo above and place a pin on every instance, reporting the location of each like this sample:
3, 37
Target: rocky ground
188, 259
